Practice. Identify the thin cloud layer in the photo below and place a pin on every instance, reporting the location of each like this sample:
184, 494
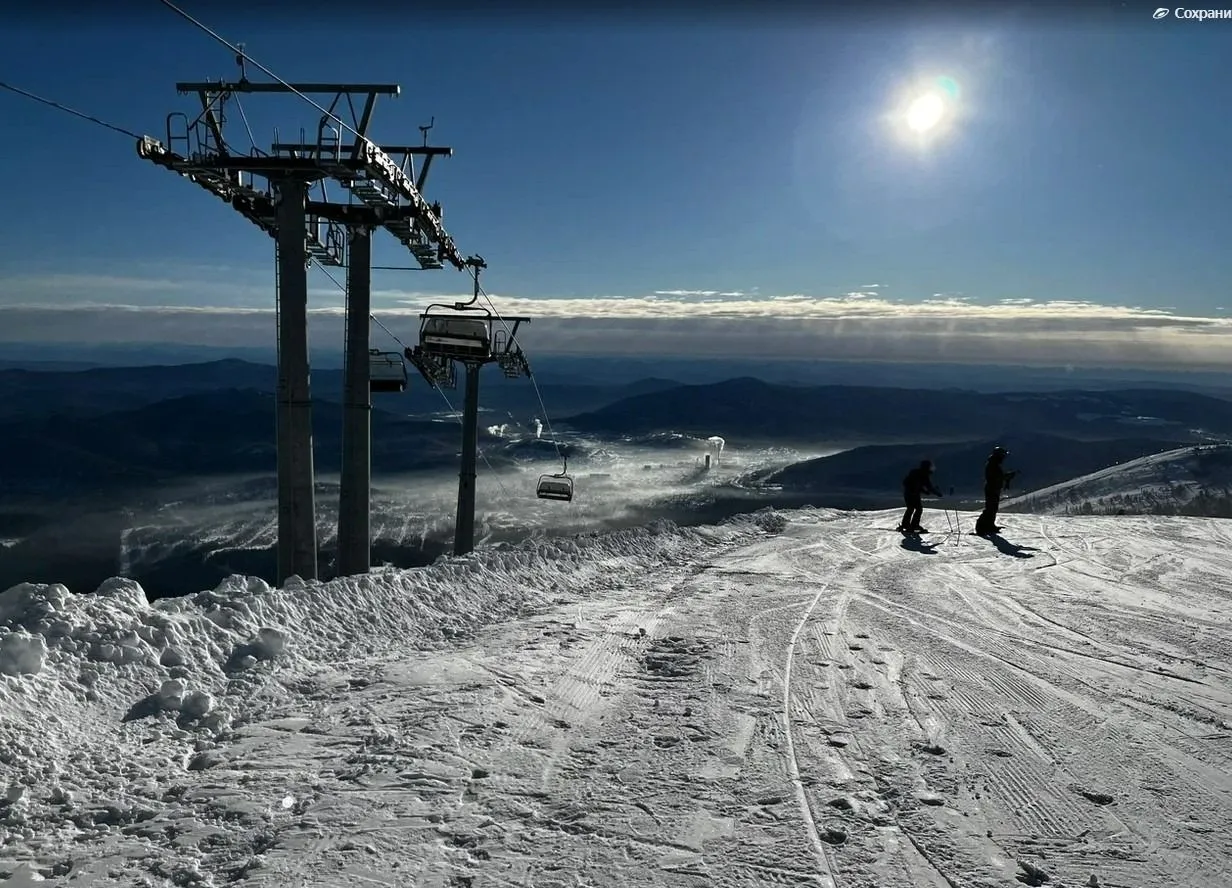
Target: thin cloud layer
798, 306
859, 325
233, 289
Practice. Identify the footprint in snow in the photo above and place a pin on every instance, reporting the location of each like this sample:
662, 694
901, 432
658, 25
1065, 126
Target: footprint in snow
832, 836
1099, 798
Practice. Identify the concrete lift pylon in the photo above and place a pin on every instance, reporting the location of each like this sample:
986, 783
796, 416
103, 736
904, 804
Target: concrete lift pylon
307, 231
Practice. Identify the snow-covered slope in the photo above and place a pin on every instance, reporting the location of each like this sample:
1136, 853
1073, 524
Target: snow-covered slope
796, 698
1190, 480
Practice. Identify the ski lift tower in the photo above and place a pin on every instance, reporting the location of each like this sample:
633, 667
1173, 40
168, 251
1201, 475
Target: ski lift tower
307, 231
465, 333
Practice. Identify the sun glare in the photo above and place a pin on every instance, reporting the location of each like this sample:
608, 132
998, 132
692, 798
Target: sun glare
925, 113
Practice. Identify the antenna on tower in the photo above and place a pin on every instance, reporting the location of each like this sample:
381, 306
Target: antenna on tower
240, 58
424, 129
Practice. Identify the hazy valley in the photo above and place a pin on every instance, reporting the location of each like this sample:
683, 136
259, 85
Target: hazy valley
166, 473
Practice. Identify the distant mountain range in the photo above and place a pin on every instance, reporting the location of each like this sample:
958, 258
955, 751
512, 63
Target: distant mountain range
84, 450
68, 431
750, 411
95, 391
605, 370
110, 428
208, 432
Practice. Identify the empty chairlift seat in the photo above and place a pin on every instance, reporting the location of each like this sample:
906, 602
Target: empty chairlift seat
456, 337
555, 487
386, 372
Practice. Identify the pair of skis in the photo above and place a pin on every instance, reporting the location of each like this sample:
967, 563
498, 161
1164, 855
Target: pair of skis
954, 522
952, 532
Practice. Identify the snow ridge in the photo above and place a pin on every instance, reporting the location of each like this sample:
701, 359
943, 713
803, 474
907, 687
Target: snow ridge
1194, 480
74, 667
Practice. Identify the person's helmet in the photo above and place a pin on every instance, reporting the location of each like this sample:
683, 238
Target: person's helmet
926, 464
1000, 451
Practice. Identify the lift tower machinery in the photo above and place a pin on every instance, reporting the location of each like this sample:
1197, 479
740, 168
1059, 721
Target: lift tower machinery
381, 194
466, 333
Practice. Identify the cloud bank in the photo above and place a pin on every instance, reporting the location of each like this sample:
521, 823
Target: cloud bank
861, 325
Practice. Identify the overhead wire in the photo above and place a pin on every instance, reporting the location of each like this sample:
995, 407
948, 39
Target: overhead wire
242, 53
29, 95
244, 117
475, 273
508, 332
448, 403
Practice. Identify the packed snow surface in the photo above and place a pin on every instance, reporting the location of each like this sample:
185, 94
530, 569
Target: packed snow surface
792, 698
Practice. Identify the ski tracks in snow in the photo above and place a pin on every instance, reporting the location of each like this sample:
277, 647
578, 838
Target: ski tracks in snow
820, 706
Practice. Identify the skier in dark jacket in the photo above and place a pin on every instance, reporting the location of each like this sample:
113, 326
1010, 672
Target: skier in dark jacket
918, 482
996, 479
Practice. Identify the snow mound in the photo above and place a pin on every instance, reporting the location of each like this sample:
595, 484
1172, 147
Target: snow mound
22, 653
82, 676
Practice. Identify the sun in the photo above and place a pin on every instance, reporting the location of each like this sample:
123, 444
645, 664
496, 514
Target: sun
925, 112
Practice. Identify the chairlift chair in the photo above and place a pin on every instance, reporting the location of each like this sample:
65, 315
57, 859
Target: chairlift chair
455, 336
386, 372
556, 487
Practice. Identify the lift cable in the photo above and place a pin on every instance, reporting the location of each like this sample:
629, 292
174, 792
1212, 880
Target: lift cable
241, 53
390, 332
448, 404
126, 132
29, 95
244, 117
546, 420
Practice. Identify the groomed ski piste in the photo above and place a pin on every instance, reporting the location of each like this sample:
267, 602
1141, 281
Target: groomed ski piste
790, 698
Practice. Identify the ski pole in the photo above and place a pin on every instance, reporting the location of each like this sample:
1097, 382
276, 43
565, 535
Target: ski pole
955, 527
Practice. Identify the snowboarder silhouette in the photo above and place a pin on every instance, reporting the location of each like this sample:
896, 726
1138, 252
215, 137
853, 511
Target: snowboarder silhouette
996, 479
917, 482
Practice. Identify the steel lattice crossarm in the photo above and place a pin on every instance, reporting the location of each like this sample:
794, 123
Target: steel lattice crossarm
365, 169
255, 205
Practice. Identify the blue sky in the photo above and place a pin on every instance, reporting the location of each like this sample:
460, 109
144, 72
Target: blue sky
666, 181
